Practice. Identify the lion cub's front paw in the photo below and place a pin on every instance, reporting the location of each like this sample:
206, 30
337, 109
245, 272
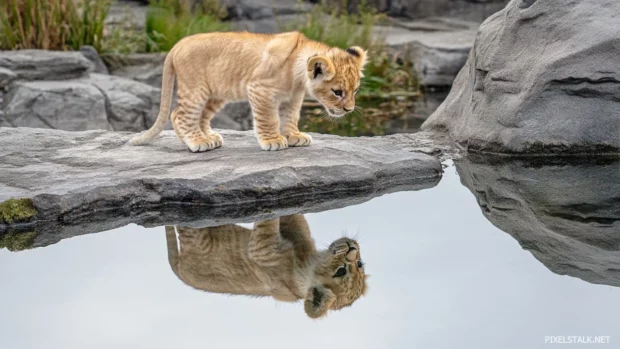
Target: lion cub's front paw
299, 139
273, 144
204, 142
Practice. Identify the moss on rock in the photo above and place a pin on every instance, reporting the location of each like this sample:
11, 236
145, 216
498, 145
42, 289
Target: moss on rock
16, 210
17, 241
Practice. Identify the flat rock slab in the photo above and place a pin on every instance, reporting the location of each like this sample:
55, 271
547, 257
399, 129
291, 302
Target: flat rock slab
77, 177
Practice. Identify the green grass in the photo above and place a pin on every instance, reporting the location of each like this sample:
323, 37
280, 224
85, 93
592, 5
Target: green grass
16, 210
15, 242
338, 29
52, 24
168, 21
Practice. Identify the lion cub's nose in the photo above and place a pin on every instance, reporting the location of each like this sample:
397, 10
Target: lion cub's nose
352, 254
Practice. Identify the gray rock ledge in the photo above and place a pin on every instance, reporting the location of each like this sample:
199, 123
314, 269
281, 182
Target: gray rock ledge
95, 180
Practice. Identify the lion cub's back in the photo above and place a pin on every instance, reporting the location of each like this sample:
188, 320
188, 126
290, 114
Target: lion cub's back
215, 259
221, 63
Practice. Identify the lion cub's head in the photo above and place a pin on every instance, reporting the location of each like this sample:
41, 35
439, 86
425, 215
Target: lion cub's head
335, 78
338, 278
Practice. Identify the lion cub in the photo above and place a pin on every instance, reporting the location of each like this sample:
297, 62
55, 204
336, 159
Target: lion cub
271, 71
277, 258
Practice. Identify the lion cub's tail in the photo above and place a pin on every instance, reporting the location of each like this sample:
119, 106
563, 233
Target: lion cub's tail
173, 249
167, 86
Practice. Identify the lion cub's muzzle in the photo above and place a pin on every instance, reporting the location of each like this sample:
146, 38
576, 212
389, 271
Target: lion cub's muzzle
346, 246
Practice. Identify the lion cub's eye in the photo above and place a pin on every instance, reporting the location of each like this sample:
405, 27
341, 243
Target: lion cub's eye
360, 264
342, 271
337, 92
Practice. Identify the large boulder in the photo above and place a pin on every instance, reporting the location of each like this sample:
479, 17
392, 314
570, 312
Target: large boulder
565, 213
66, 105
92, 102
130, 105
542, 78
143, 67
33, 65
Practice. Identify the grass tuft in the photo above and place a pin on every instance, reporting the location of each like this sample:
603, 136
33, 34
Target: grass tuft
15, 242
52, 24
16, 210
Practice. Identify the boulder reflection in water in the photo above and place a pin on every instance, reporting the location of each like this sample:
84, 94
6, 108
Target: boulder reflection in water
566, 213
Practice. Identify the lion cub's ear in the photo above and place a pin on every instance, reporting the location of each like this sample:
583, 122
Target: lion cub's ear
320, 67
318, 300
360, 54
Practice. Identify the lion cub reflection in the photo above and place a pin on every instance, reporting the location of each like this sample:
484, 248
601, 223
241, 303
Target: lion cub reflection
276, 258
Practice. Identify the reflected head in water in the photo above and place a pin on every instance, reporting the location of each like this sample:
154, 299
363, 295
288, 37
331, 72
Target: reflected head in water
276, 258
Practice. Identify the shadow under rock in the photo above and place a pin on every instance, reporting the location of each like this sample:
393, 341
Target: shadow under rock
191, 215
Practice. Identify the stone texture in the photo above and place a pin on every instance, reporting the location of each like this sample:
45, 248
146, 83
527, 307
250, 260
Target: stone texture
268, 25
438, 47
6, 77
542, 78
234, 116
3, 122
94, 179
470, 10
130, 105
44, 65
95, 101
567, 214
65, 105
261, 9
92, 55
142, 67
127, 14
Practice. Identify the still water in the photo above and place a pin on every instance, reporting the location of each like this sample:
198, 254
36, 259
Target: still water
474, 262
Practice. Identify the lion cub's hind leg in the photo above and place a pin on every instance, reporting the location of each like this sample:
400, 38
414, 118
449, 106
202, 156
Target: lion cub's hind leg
186, 120
211, 107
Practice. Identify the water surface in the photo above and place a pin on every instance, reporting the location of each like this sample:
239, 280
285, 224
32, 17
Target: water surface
441, 276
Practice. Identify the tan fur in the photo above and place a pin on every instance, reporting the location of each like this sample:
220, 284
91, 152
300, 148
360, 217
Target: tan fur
272, 71
277, 258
